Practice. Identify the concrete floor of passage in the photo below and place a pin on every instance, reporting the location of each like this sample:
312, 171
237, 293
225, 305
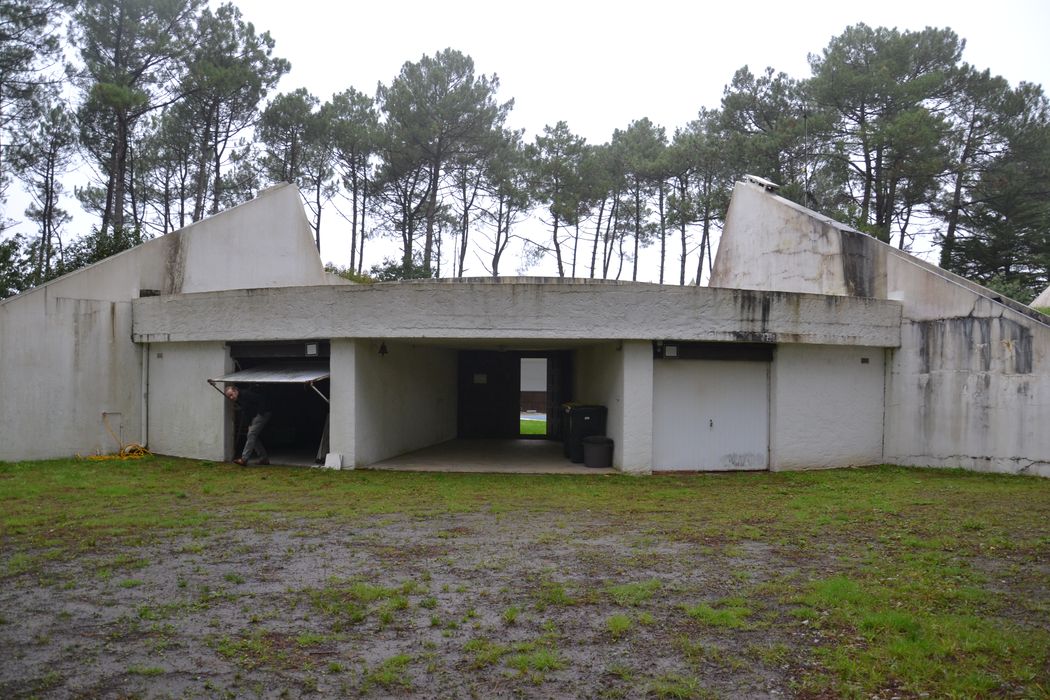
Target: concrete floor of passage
489, 456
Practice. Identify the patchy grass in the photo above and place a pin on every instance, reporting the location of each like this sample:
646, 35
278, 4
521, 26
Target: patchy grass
731, 613
629, 594
391, 673
851, 583
351, 602
618, 625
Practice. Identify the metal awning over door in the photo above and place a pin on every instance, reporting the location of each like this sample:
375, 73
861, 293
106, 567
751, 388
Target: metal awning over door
307, 374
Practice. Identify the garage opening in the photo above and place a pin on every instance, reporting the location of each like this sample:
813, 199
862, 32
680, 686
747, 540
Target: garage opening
294, 379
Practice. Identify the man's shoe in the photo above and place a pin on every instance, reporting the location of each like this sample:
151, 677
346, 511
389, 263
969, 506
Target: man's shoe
239, 461
264, 462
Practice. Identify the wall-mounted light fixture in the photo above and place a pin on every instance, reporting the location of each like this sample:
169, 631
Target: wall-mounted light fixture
382, 349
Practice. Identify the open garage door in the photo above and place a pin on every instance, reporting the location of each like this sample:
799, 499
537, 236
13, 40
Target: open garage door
297, 394
711, 408
308, 375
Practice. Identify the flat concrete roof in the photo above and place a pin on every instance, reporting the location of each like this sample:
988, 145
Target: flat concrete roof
519, 309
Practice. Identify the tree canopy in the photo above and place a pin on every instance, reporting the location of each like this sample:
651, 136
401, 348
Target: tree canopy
173, 115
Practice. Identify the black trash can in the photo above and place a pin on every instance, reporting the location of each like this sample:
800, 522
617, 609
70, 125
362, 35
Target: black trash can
580, 421
597, 451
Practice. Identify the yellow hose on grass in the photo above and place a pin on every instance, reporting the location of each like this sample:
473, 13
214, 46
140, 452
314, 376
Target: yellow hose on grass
131, 450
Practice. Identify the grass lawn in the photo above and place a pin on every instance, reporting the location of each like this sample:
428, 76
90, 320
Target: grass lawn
171, 576
532, 427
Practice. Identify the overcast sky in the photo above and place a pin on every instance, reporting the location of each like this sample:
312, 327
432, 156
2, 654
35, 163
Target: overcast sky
598, 66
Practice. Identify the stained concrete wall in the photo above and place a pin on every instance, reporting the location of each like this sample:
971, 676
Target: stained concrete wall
516, 309
970, 384
186, 416
403, 401
64, 363
66, 351
826, 407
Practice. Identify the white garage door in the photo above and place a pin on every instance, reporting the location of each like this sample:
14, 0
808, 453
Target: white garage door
710, 415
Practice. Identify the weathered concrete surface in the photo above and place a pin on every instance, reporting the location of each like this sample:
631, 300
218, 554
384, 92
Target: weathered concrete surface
969, 385
67, 367
186, 416
826, 407
515, 309
66, 353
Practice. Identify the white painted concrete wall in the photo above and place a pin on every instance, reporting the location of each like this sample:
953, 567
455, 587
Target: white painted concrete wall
619, 376
710, 415
970, 384
598, 380
66, 349
636, 450
826, 407
342, 417
403, 401
187, 417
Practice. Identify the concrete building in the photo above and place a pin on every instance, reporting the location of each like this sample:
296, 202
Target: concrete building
815, 346
1042, 301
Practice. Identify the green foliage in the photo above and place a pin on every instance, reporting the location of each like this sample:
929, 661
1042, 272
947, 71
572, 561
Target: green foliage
1015, 287
13, 269
391, 270
540, 660
438, 112
129, 51
30, 52
348, 274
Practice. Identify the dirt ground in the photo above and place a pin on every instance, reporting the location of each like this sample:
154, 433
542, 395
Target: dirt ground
517, 604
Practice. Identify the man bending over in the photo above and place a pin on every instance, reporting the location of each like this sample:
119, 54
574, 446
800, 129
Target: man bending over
256, 414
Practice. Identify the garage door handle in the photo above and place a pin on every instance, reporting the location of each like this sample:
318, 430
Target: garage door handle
711, 423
